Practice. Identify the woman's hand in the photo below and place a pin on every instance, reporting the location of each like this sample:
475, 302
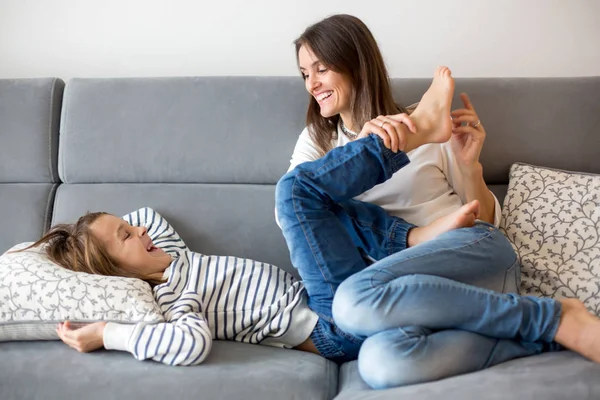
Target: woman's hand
85, 339
467, 140
390, 129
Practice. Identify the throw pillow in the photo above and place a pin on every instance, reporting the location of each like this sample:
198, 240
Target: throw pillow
36, 294
552, 219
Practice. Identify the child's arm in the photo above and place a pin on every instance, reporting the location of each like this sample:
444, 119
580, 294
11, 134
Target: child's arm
184, 340
159, 230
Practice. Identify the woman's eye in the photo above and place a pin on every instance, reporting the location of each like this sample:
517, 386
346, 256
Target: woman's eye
304, 76
127, 236
322, 70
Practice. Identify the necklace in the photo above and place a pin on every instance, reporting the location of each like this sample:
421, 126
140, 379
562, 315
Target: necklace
351, 134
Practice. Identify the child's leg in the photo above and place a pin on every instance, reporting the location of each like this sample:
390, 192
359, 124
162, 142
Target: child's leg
410, 355
315, 211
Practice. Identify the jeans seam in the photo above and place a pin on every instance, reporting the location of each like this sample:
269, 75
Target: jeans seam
507, 272
489, 357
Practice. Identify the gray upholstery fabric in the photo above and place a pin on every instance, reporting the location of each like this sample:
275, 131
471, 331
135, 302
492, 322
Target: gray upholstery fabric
499, 191
24, 212
541, 121
550, 376
218, 219
29, 120
53, 371
221, 129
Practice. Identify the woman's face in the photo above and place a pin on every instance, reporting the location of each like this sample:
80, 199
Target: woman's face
330, 89
130, 246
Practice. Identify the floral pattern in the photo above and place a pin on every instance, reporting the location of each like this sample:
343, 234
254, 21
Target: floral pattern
552, 219
33, 289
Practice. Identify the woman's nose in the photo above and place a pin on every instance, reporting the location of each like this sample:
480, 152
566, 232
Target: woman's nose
142, 230
312, 83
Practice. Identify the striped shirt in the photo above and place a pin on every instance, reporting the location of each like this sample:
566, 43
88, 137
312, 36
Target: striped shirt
210, 298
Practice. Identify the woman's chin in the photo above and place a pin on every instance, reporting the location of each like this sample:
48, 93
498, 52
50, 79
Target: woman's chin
327, 113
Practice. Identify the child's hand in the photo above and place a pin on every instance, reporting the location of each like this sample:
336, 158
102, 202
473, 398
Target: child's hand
85, 339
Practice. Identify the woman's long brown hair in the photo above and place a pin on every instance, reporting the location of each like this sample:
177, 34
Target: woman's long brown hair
344, 44
74, 247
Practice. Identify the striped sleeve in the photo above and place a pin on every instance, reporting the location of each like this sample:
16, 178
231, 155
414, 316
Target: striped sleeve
160, 231
185, 338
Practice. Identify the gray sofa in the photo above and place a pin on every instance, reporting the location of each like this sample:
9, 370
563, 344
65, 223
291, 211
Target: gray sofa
206, 152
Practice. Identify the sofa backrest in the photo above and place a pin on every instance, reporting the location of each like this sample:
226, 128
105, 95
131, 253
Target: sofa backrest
29, 121
206, 152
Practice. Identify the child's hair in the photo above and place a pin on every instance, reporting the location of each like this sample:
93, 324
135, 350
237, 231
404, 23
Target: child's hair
74, 247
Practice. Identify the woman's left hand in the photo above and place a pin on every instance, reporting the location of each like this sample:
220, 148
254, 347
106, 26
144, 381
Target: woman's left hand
467, 140
85, 339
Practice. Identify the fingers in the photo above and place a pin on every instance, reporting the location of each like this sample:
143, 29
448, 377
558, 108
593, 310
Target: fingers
465, 118
65, 334
390, 128
394, 130
370, 127
70, 336
468, 129
405, 119
467, 101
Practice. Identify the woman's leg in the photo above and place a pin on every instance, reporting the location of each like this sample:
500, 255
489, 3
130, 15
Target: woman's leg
410, 355
437, 310
322, 225
452, 282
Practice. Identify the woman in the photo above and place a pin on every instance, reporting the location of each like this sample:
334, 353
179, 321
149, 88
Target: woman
417, 313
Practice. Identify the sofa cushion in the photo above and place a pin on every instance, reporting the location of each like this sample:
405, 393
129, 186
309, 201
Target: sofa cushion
29, 120
25, 210
219, 129
231, 371
36, 294
550, 376
552, 219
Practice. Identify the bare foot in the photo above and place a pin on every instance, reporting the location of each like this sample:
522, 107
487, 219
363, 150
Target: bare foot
461, 218
579, 330
432, 115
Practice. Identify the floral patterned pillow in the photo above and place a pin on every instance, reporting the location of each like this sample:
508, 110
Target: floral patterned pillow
552, 219
36, 294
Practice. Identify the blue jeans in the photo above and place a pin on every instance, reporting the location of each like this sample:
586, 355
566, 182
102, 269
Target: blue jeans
434, 310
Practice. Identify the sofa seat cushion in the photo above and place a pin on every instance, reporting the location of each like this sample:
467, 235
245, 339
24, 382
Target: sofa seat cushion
51, 370
549, 376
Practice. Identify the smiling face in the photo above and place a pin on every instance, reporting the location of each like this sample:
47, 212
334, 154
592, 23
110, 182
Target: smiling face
331, 90
130, 247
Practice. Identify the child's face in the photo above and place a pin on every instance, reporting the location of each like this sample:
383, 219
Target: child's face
130, 247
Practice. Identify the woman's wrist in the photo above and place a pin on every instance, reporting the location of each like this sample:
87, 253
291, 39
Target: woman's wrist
472, 172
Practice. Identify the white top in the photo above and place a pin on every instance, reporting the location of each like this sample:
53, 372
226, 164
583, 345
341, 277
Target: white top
429, 187
212, 297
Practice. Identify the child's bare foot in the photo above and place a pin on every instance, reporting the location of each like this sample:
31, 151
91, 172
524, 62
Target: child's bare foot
432, 115
579, 330
461, 218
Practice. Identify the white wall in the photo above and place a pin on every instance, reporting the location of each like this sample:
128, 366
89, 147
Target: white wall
95, 38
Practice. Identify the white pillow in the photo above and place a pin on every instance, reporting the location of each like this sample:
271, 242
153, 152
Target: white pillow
36, 294
552, 219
